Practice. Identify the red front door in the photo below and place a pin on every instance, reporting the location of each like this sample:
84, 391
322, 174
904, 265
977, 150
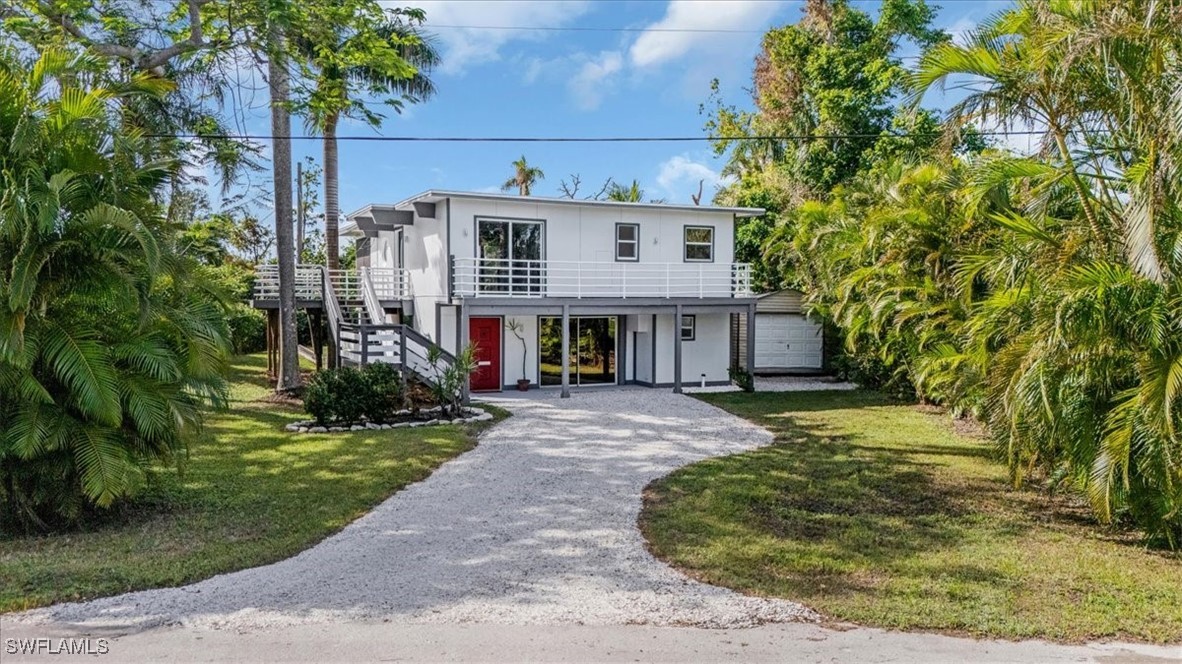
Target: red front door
485, 333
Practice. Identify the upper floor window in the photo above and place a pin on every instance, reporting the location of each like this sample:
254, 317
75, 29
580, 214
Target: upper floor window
699, 243
627, 242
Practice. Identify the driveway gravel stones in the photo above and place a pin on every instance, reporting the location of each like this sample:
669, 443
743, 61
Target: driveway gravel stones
537, 525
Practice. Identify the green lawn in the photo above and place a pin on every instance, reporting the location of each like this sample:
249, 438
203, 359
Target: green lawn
881, 514
249, 494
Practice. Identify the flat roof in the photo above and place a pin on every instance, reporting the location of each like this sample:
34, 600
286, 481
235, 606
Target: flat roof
433, 195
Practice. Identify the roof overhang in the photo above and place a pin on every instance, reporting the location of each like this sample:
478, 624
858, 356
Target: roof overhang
432, 196
372, 219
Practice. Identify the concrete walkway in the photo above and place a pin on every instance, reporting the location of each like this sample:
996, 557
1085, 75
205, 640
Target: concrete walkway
525, 548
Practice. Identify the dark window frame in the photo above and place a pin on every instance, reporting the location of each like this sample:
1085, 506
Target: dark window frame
693, 327
685, 244
635, 242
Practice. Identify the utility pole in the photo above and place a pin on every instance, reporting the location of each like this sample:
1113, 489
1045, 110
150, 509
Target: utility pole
299, 212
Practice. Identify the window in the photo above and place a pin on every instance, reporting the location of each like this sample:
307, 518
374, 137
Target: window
511, 253
699, 243
689, 328
627, 242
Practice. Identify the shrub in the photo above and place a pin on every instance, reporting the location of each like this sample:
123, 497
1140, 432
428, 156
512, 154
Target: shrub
450, 380
383, 391
346, 395
336, 396
739, 376
248, 329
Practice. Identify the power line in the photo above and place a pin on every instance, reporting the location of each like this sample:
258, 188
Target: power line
531, 28
582, 139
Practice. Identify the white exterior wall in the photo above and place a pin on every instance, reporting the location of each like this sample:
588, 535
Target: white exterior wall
511, 357
708, 353
576, 233
426, 257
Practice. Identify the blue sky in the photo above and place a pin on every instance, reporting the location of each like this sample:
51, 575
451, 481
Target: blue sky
529, 81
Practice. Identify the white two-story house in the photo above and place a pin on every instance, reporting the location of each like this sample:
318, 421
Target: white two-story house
562, 292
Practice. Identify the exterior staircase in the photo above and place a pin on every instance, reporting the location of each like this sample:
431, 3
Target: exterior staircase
352, 302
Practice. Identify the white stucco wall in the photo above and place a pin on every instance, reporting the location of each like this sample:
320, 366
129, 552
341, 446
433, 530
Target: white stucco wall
708, 353
588, 233
511, 360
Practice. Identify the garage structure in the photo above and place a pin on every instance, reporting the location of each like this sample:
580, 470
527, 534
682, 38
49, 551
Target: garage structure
786, 341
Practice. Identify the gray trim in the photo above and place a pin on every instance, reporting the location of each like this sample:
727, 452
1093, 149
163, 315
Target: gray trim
751, 312
461, 344
446, 193
617, 340
451, 258
653, 356
439, 324
677, 351
636, 258
621, 349
476, 219
425, 210
694, 326
565, 352
685, 244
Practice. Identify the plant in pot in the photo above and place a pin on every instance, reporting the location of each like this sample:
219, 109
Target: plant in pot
518, 329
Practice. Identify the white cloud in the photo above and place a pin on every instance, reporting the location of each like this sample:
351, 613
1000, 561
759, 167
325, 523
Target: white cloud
961, 29
464, 47
654, 48
593, 79
680, 174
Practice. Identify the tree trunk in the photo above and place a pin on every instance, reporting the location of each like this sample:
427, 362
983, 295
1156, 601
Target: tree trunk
289, 357
332, 204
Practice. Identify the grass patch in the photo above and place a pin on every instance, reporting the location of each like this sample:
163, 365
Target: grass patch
249, 494
881, 514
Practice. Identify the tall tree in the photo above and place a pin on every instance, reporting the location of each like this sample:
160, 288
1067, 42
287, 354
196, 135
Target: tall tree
110, 342
524, 177
279, 84
358, 51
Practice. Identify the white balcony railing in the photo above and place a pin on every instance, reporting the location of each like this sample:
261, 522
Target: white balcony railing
388, 283
493, 277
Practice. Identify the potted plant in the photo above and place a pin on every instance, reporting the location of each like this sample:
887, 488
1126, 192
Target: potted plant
515, 326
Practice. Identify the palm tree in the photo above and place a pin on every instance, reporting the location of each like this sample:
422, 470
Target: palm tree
110, 344
391, 57
523, 178
631, 194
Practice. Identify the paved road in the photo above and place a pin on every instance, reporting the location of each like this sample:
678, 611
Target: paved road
524, 548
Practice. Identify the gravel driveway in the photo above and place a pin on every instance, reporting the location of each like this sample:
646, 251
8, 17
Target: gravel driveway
537, 525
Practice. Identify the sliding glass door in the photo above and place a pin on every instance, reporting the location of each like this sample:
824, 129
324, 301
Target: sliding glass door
592, 357
511, 250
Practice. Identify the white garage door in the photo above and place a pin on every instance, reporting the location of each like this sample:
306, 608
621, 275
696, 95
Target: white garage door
787, 341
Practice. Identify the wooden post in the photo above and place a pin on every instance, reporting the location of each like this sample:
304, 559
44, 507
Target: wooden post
402, 368
565, 351
316, 321
273, 342
363, 332
677, 350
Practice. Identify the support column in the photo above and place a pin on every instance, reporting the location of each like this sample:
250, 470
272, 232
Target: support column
273, 342
462, 342
677, 350
751, 339
565, 351
316, 324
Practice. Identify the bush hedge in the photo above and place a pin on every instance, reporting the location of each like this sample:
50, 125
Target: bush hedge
347, 395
